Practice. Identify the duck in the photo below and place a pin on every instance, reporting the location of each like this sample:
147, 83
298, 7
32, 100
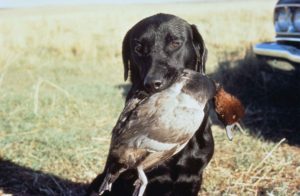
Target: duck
229, 110
153, 128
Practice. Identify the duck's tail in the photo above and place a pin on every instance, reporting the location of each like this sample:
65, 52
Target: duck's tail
107, 183
111, 176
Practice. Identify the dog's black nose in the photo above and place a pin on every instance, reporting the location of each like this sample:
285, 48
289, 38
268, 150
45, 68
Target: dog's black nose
157, 84
153, 85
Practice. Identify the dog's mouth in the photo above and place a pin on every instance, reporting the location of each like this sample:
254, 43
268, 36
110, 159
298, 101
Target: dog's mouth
167, 80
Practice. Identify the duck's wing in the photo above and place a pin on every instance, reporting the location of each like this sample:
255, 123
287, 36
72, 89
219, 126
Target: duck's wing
127, 113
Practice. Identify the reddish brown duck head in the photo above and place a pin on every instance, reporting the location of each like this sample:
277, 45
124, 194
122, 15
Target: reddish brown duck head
229, 109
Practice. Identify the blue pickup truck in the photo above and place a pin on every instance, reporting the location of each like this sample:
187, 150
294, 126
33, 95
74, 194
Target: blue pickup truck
287, 27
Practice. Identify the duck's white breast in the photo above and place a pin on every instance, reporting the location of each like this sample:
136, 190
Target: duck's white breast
179, 111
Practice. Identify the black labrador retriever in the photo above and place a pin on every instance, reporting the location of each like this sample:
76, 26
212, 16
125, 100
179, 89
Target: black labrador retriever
153, 51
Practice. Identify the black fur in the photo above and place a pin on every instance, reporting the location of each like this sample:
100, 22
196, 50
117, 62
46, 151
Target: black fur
154, 50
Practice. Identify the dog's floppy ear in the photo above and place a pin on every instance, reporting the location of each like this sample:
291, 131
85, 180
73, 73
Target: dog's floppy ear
126, 54
200, 48
130, 69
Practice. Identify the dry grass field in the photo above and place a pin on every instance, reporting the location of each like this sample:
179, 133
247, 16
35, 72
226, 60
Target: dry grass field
62, 88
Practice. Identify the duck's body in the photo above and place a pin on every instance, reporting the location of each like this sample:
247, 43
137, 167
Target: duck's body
152, 129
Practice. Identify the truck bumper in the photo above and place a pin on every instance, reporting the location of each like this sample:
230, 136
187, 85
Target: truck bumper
277, 50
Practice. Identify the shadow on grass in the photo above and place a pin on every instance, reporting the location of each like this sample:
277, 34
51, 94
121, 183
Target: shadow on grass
271, 96
22, 181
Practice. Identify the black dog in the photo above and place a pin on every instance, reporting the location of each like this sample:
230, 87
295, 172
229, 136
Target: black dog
153, 51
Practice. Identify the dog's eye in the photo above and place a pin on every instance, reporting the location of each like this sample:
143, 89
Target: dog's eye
175, 44
138, 49
141, 50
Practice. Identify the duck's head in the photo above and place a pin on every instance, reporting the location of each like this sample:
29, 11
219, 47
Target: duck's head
229, 109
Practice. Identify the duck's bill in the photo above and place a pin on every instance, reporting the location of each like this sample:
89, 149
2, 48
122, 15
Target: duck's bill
229, 129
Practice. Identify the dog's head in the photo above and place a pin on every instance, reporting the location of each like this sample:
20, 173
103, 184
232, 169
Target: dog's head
157, 47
